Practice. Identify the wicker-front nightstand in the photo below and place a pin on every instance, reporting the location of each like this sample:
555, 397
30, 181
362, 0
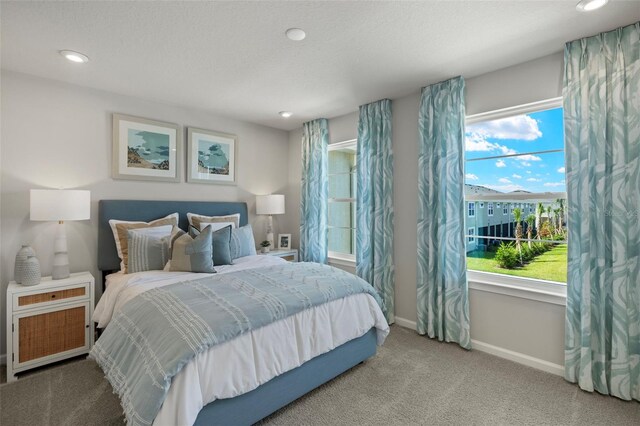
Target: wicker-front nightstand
48, 322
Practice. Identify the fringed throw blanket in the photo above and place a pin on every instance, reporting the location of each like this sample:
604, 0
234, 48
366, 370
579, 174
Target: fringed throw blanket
155, 334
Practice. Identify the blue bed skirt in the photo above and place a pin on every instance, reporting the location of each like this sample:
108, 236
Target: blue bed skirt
253, 406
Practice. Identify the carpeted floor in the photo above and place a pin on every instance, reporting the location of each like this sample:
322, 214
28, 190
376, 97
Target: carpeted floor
412, 380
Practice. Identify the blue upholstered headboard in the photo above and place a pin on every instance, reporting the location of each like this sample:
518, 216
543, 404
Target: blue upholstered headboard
145, 211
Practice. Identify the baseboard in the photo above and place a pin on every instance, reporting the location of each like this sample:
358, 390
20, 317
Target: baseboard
3, 359
402, 322
518, 357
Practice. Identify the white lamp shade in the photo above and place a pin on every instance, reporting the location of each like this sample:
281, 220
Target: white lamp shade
270, 204
60, 204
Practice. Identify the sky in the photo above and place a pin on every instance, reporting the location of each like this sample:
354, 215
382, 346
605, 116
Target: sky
539, 131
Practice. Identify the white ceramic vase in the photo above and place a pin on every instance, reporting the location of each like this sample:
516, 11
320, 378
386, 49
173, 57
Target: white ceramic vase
21, 257
31, 271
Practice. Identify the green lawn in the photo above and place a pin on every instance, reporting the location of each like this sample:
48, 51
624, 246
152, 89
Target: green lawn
551, 265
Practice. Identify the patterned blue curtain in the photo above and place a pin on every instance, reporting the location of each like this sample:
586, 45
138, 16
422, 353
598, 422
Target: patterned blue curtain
602, 132
314, 192
443, 306
374, 205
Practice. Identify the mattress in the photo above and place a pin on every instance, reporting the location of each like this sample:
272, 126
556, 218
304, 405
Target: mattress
244, 363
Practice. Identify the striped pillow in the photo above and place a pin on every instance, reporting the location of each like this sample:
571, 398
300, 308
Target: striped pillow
148, 248
120, 229
192, 254
242, 242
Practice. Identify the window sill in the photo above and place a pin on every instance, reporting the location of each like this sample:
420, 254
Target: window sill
524, 288
342, 261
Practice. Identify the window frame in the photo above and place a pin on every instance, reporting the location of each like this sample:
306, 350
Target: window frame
345, 259
528, 288
471, 234
472, 209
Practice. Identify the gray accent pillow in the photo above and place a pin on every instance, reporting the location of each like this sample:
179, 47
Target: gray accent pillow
148, 251
191, 254
220, 243
242, 242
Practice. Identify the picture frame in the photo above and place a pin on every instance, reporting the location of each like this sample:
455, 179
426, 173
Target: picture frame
145, 149
284, 241
211, 157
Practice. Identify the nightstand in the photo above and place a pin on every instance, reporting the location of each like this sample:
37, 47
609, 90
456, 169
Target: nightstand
287, 254
48, 322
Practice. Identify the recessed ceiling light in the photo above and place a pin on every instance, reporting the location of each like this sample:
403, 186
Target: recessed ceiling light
285, 114
295, 34
76, 57
589, 5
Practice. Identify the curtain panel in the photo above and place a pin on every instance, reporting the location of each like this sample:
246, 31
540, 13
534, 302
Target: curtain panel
374, 202
443, 306
314, 192
602, 131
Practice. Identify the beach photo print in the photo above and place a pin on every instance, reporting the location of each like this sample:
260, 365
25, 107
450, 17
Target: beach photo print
145, 149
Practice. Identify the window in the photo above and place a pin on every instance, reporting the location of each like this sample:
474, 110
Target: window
482, 205
342, 200
515, 158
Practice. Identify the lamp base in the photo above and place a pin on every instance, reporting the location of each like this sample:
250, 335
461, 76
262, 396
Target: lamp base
270, 230
60, 255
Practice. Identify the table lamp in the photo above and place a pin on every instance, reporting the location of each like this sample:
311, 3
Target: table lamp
60, 205
270, 205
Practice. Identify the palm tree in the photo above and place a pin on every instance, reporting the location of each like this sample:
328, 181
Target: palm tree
556, 216
560, 202
549, 222
539, 211
517, 214
531, 219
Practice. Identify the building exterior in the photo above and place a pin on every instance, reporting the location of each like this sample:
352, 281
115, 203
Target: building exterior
492, 218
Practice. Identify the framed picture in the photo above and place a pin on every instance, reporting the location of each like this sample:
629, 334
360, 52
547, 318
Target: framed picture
284, 241
146, 149
211, 157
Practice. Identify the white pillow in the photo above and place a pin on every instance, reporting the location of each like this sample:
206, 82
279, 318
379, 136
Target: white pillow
125, 225
196, 219
216, 225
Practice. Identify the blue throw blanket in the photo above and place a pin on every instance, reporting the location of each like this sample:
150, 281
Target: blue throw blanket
156, 333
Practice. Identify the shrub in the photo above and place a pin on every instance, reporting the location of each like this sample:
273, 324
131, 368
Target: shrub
528, 253
507, 256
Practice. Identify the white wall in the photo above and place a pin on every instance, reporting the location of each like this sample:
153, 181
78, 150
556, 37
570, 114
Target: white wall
59, 135
532, 328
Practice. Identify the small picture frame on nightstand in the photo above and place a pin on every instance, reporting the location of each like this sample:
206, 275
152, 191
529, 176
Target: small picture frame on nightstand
284, 241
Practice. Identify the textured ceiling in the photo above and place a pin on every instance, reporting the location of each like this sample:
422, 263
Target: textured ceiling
232, 58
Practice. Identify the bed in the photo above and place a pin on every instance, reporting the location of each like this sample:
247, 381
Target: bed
249, 377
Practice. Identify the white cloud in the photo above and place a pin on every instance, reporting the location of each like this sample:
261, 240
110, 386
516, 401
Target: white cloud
500, 163
529, 171
504, 188
561, 170
478, 143
527, 157
471, 176
520, 127
533, 180
554, 184
525, 164
515, 176
504, 180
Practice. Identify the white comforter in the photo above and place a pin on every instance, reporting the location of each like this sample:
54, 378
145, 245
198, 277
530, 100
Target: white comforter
244, 363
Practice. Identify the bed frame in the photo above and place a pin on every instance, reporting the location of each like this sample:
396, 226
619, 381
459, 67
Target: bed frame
269, 397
